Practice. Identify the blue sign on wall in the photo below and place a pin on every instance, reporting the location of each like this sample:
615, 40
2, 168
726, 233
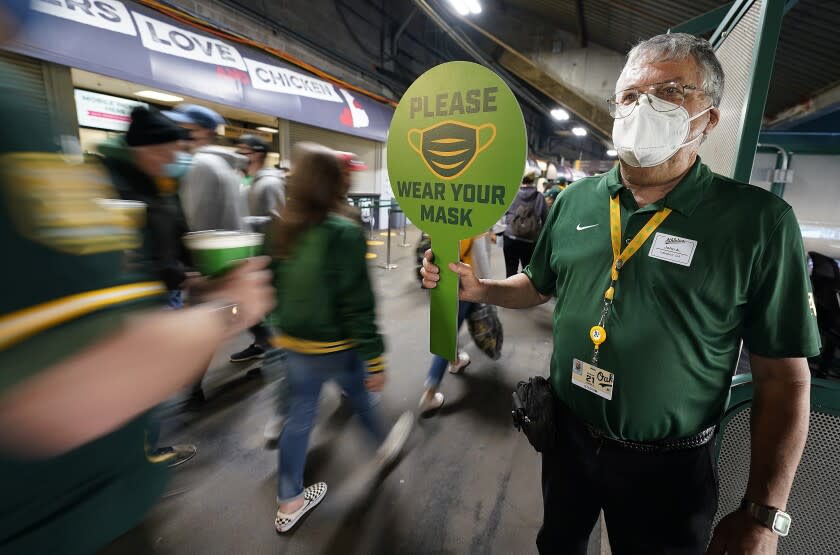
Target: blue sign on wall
128, 41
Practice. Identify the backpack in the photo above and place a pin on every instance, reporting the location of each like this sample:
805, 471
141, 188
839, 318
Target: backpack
525, 223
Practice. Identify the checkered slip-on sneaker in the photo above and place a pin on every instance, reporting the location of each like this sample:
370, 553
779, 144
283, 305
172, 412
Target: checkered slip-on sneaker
312, 495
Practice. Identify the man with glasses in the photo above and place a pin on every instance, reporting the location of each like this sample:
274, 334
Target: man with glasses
670, 267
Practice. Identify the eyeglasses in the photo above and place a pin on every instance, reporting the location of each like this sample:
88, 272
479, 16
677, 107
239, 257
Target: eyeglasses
623, 103
245, 152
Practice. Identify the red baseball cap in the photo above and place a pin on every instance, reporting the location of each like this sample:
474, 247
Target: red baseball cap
351, 161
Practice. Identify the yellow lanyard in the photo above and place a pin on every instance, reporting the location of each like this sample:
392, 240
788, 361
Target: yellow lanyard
598, 334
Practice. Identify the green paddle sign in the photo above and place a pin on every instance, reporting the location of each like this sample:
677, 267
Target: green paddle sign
456, 151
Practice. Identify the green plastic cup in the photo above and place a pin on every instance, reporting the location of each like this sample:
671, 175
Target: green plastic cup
215, 252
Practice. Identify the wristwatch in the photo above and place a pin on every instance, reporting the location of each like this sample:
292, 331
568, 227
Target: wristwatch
771, 517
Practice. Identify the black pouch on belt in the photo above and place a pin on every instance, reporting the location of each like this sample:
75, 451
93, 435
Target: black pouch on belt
534, 413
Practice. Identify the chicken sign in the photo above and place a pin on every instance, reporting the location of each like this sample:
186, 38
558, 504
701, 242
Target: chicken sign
456, 149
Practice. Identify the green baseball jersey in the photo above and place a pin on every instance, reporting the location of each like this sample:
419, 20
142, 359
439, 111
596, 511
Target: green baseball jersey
63, 289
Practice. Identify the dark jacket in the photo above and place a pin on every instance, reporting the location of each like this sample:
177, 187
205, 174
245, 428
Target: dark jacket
528, 196
163, 253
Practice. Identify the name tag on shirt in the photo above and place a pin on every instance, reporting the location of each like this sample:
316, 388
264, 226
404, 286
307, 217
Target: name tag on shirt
671, 248
593, 379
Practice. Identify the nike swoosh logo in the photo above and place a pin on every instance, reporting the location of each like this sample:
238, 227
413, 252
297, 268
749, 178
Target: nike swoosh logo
581, 228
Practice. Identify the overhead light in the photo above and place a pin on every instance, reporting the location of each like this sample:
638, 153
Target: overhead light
612, 152
474, 6
267, 129
560, 114
579, 131
159, 96
466, 7
460, 6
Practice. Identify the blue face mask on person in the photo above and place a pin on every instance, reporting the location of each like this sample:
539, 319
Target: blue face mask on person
181, 165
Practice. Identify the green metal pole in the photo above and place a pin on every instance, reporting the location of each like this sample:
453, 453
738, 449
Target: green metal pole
776, 187
703, 23
764, 56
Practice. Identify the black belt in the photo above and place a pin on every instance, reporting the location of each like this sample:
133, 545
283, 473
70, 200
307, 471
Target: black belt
662, 446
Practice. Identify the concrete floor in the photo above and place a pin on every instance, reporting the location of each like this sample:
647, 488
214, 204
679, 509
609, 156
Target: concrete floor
468, 484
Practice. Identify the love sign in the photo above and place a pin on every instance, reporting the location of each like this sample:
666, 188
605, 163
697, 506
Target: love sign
456, 151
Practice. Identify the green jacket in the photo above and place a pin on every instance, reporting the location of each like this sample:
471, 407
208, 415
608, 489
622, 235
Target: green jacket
325, 302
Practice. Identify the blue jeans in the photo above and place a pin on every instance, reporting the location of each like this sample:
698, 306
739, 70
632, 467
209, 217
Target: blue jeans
275, 366
306, 375
438, 362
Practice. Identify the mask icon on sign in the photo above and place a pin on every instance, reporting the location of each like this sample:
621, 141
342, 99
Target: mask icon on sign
449, 148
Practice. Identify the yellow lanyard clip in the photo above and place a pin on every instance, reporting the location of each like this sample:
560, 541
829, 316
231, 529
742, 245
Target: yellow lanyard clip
598, 335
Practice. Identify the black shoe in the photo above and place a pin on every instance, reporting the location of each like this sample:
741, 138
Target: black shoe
253, 352
173, 455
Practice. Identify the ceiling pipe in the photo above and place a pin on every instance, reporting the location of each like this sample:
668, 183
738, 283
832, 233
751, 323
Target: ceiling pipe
387, 15
778, 149
264, 20
401, 30
778, 187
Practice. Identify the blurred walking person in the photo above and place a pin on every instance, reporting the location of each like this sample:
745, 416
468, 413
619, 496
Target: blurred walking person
141, 165
210, 190
76, 330
265, 195
326, 316
524, 218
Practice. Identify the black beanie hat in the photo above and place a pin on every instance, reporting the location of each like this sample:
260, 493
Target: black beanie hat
151, 128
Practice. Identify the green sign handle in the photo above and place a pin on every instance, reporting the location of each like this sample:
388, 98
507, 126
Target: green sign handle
443, 322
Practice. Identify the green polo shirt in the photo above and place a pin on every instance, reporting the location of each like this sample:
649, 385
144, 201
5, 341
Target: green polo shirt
728, 263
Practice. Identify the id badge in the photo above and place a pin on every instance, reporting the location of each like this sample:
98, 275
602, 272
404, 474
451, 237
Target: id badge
593, 379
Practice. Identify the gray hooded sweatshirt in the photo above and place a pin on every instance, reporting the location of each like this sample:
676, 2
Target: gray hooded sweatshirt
210, 190
267, 193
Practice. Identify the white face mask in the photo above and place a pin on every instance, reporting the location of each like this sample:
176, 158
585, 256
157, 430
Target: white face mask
648, 137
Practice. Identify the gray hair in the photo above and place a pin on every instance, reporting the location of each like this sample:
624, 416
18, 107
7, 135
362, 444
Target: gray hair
679, 46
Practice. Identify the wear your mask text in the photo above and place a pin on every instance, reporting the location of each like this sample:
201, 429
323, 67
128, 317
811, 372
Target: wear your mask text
459, 192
